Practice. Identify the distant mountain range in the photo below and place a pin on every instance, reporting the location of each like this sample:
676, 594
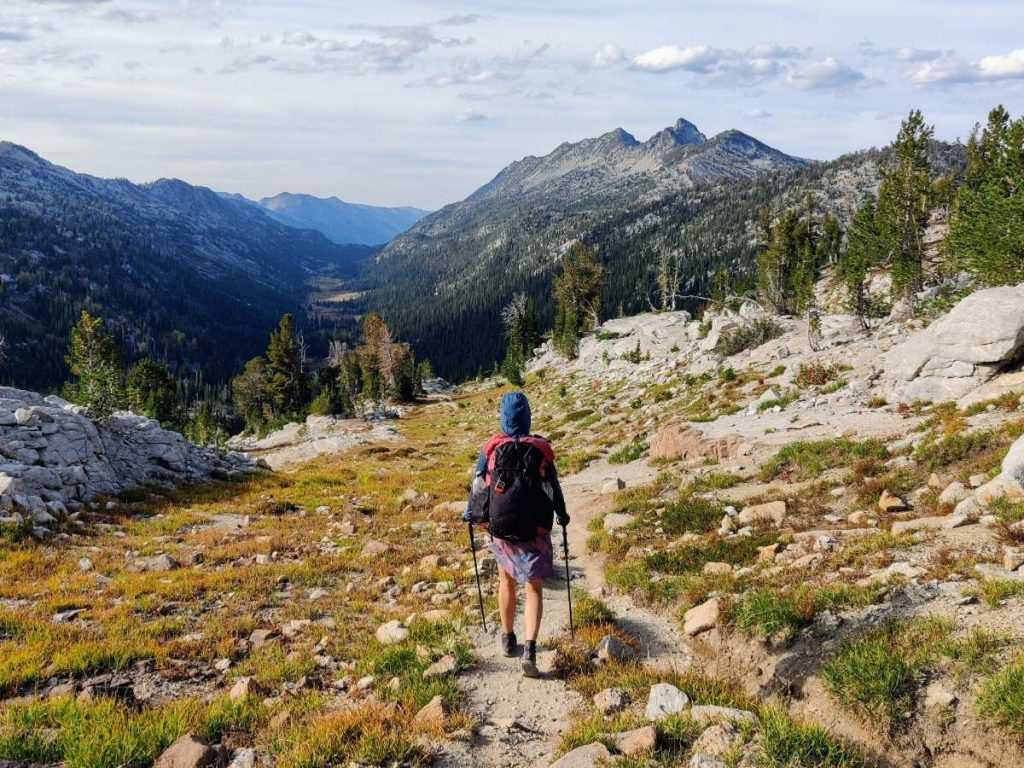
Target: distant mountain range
179, 271
341, 222
444, 281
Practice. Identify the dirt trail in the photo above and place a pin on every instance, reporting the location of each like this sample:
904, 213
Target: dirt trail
522, 720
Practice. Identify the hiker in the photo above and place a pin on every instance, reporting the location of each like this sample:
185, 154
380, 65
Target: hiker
516, 496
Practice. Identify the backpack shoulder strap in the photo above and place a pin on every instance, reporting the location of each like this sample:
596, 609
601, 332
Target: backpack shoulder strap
541, 445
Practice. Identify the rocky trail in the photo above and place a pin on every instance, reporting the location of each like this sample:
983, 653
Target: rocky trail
522, 720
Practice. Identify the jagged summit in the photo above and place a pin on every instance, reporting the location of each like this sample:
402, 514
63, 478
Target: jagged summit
682, 133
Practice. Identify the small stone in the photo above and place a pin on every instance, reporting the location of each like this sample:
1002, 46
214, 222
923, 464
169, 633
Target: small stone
222, 665
260, 637
889, 502
392, 632
770, 512
767, 554
664, 700
954, 493
432, 715
613, 486
245, 687
637, 742
1013, 558
446, 665
611, 700
976, 481
189, 752
375, 548
716, 569
590, 756
702, 617
706, 761
710, 713
155, 564
85, 565
718, 740
365, 683
613, 521
436, 616
611, 648
937, 696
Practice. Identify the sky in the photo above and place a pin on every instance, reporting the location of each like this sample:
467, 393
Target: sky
417, 102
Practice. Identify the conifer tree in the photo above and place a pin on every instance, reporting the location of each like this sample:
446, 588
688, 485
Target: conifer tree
97, 372
862, 251
151, 392
986, 234
904, 204
577, 292
284, 365
252, 394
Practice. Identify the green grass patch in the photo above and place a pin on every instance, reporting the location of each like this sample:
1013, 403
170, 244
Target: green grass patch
1001, 699
771, 613
629, 452
805, 459
692, 556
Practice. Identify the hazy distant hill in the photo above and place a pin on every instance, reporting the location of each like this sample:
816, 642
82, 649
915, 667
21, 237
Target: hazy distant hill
339, 221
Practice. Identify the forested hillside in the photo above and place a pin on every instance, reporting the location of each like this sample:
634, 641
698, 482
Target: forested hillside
444, 293
178, 272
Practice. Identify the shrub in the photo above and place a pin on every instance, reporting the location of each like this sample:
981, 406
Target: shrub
815, 374
748, 336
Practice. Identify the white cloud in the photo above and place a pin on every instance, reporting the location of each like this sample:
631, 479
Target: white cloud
758, 113
694, 58
949, 68
472, 116
775, 51
916, 54
827, 74
608, 55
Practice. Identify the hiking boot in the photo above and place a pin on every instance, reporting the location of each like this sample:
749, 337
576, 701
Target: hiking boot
530, 659
508, 644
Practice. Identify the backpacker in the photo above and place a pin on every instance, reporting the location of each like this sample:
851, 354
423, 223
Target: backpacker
514, 501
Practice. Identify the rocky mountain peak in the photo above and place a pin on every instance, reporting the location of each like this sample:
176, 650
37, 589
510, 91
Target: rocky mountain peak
681, 134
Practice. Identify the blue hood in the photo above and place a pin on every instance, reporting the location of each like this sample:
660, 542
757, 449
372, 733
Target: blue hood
515, 414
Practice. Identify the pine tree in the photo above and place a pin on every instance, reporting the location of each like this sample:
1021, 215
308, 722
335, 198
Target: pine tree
863, 251
986, 234
284, 365
904, 205
577, 292
151, 392
252, 393
97, 371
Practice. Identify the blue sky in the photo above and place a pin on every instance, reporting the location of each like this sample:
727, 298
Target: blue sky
414, 102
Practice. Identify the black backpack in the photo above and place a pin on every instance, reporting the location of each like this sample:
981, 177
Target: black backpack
514, 502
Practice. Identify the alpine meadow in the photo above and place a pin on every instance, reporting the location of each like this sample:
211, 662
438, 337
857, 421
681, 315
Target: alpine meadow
368, 398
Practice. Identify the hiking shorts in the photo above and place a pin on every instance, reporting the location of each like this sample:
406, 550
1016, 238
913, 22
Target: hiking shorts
525, 561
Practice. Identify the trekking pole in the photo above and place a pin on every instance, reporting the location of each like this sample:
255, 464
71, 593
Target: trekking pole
476, 570
568, 582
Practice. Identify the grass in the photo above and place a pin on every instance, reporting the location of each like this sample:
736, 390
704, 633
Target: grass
692, 514
804, 459
629, 452
694, 555
773, 613
1001, 699
786, 743
994, 590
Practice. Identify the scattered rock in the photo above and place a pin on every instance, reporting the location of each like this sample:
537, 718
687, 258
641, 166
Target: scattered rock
591, 756
611, 700
890, 502
716, 568
392, 632
718, 740
245, 687
260, 637
681, 441
637, 742
773, 512
706, 761
155, 564
432, 715
702, 617
613, 521
937, 696
189, 752
954, 493
374, 548
1013, 558
611, 648
664, 700
961, 350
613, 486
446, 665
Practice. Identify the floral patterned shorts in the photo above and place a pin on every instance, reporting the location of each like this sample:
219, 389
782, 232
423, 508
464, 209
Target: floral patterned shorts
526, 561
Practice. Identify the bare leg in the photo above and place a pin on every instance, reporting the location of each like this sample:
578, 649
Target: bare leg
534, 608
506, 600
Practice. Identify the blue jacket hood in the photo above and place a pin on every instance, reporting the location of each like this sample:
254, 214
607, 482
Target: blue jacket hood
515, 414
